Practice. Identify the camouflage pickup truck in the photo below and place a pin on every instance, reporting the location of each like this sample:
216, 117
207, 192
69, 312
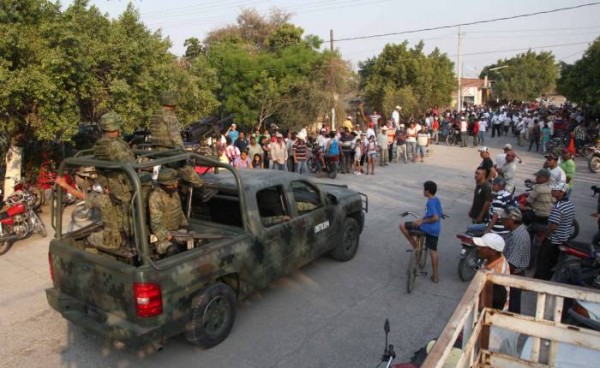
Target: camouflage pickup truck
260, 225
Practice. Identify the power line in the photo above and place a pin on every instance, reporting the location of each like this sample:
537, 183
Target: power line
468, 23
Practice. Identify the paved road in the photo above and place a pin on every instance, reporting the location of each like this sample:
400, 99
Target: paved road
327, 314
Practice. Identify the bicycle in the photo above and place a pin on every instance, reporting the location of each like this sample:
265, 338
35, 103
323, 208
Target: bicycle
418, 257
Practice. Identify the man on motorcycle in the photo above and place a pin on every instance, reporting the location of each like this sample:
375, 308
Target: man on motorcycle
538, 203
557, 233
517, 251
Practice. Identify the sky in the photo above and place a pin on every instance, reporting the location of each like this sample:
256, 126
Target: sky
567, 33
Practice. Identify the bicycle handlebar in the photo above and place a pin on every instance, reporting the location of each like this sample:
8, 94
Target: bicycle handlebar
404, 214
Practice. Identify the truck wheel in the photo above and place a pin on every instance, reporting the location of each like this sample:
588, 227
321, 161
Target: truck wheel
5, 246
346, 248
212, 316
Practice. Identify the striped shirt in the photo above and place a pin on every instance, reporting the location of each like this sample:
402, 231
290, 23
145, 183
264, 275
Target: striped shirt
562, 215
517, 249
300, 150
499, 203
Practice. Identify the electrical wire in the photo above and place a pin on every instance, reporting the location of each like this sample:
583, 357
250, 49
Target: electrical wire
467, 23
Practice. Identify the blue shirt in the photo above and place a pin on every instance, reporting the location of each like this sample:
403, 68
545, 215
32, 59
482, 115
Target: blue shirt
433, 207
233, 134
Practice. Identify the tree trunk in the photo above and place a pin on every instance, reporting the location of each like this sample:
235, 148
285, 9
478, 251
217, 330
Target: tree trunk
14, 162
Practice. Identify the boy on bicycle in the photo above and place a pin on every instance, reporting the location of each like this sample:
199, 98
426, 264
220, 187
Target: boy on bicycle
430, 224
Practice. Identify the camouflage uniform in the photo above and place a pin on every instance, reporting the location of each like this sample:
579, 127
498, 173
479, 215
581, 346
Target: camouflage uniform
164, 125
112, 148
110, 237
166, 134
115, 149
166, 214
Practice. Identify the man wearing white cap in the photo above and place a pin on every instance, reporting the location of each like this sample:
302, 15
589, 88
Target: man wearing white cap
559, 227
490, 248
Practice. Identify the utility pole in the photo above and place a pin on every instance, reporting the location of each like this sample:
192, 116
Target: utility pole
459, 73
335, 97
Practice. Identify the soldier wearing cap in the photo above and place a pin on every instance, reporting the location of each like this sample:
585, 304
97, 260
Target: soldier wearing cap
166, 213
517, 251
111, 146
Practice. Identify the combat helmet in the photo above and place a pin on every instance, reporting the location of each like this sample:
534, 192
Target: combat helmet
169, 98
167, 176
110, 122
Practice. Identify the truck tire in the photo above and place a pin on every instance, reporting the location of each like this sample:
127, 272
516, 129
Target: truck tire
211, 317
346, 248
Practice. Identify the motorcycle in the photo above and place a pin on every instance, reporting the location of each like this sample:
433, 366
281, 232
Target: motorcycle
453, 137
470, 261
19, 219
531, 226
594, 161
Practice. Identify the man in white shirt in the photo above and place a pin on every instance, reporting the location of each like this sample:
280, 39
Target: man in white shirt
396, 117
557, 175
482, 128
464, 134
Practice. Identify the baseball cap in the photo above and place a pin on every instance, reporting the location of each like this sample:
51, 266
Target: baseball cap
499, 181
551, 156
542, 172
490, 240
384, 128
349, 117
483, 149
398, 107
508, 146
278, 135
512, 213
563, 187
462, 118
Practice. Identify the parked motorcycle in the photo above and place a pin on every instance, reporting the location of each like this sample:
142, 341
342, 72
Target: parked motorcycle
19, 219
594, 161
453, 137
470, 261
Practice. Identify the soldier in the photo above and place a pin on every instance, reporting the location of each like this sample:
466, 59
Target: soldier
166, 134
164, 125
110, 237
111, 146
166, 214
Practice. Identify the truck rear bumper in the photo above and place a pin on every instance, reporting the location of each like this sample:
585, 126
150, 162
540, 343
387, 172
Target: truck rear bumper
105, 324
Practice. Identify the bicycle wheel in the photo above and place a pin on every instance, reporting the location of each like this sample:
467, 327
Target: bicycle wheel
422, 253
411, 271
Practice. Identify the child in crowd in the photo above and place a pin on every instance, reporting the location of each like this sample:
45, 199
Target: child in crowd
357, 155
257, 161
372, 151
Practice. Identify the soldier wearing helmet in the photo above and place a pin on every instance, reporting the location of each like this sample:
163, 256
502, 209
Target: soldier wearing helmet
164, 125
166, 213
111, 146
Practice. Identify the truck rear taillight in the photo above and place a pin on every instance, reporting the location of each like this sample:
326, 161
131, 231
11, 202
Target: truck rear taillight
51, 267
148, 299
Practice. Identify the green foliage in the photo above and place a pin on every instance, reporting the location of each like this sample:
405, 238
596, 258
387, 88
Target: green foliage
58, 68
580, 81
406, 76
524, 77
268, 73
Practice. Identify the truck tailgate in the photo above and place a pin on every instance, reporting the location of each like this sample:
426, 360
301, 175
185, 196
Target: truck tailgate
99, 284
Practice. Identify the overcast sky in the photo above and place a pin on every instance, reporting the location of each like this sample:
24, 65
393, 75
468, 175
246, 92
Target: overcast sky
567, 34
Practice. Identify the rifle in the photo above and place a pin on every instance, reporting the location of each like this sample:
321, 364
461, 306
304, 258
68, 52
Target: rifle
192, 237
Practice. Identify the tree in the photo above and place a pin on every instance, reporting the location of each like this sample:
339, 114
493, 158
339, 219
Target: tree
524, 77
268, 72
406, 76
579, 81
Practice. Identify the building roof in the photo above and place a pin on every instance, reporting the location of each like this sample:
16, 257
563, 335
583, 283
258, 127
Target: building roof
472, 82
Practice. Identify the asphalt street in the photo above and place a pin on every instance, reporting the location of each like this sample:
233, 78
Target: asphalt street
328, 314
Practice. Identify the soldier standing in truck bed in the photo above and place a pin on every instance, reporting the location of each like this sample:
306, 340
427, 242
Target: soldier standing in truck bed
111, 147
166, 134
